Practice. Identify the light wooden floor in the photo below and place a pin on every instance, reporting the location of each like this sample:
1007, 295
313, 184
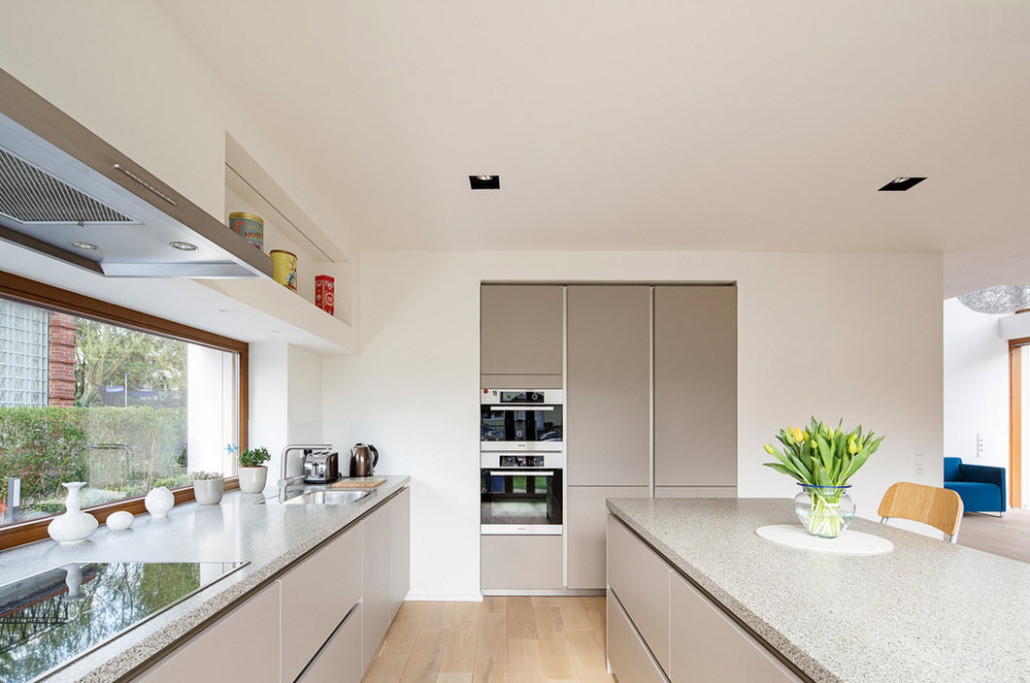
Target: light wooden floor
1008, 536
510, 640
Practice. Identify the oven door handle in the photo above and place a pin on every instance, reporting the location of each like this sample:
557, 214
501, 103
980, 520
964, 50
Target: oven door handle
517, 473
527, 407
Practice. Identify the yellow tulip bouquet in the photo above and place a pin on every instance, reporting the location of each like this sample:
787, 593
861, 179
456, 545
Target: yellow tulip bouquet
822, 459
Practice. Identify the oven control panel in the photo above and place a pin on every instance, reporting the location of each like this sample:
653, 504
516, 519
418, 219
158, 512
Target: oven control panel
522, 461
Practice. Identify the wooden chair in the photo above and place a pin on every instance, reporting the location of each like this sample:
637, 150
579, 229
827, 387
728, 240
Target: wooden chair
939, 508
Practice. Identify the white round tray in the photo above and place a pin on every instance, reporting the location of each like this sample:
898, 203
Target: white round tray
848, 543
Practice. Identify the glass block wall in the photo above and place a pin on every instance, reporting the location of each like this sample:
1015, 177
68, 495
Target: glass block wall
24, 335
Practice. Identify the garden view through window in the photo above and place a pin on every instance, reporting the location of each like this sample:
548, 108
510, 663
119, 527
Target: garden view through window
117, 408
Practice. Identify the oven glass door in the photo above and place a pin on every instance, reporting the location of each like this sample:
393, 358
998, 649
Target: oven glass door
526, 501
521, 424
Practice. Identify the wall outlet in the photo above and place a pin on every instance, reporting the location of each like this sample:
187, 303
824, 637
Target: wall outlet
979, 445
918, 463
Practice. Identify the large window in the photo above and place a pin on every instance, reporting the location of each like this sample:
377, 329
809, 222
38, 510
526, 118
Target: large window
111, 402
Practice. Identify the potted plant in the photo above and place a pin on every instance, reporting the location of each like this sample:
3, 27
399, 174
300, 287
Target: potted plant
208, 487
822, 459
253, 474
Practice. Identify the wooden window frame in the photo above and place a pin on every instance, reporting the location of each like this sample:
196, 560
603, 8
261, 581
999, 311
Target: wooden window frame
53, 298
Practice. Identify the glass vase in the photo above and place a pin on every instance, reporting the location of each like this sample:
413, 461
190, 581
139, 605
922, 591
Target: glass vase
825, 511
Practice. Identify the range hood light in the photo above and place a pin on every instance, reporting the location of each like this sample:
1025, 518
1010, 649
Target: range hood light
83, 245
183, 246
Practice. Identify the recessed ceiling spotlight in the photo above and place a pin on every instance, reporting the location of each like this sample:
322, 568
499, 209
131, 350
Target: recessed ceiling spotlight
485, 182
83, 245
183, 246
902, 183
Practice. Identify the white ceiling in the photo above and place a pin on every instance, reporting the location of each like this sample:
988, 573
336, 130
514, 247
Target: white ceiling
701, 125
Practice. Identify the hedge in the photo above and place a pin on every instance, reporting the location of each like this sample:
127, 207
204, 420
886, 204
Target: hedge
122, 450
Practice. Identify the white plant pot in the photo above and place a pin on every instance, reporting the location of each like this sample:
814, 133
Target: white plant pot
159, 501
209, 491
74, 525
253, 479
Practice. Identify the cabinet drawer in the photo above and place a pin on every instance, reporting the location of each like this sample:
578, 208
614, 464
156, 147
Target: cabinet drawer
628, 656
640, 579
316, 596
521, 562
340, 659
241, 646
708, 646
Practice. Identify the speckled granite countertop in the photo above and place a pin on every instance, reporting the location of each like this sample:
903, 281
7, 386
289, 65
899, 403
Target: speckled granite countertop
927, 611
270, 537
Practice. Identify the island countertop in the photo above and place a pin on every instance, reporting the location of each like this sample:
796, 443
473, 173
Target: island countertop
269, 537
927, 611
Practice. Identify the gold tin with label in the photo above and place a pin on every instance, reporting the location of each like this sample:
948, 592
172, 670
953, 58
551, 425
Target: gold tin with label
284, 268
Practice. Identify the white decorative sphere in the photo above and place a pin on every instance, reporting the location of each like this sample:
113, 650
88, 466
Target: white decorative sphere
120, 521
159, 501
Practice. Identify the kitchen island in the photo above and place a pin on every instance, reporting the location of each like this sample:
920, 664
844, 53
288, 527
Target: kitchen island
927, 611
285, 548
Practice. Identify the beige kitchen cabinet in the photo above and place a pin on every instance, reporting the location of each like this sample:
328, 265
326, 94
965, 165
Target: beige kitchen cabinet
385, 571
695, 492
708, 646
241, 646
639, 577
340, 660
587, 513
628, 655
521, 562
521, 336
695, 386
608, 421
316, 596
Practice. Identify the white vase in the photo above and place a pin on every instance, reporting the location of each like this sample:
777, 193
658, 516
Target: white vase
253, 479
74, 525
209, 491
159, 501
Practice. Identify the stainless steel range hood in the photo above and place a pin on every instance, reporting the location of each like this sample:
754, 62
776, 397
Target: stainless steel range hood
64, 190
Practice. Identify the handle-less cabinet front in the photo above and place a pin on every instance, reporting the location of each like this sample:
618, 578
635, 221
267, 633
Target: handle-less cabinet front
340, 659
316, 596
241, 646
587, 515
695, 386
609, 385
385, 572
521, 331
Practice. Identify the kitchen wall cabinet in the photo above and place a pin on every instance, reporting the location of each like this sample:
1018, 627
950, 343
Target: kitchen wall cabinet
521, 336
340, 660
241, 646
385, 571
608, 422
521, 562
316, 596
660, 627
695, 386
586, 530
695, 492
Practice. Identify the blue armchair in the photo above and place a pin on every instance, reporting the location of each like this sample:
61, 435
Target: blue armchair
982, 488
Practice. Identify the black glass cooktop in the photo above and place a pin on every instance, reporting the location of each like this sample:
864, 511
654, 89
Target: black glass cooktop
51, 618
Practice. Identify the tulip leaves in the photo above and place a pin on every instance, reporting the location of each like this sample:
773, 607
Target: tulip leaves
821, 455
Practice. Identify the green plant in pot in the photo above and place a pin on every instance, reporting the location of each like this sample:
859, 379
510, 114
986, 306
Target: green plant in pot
208, 487
253, 472
823, 459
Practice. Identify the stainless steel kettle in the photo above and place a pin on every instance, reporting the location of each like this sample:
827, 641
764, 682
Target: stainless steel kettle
363, 460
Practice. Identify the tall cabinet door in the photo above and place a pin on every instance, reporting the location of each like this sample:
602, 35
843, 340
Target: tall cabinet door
609, 385
695, 356
521, 336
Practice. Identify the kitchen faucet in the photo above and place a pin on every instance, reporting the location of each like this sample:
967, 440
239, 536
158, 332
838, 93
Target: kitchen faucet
285, 481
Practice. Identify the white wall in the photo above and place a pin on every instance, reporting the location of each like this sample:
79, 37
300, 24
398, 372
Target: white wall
976, 386
857, 336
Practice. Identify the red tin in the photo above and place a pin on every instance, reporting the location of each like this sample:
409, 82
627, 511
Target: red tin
325, 293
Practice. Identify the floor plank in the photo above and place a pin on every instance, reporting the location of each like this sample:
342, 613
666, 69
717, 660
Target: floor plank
1008, 536
501, 640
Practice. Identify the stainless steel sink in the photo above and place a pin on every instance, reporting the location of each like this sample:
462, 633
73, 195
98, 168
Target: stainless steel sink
326, 497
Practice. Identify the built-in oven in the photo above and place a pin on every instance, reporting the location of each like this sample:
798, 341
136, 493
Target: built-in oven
521, 493
521, 420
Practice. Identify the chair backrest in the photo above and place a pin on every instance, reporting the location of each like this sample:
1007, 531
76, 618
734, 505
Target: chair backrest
951, 469
939, 508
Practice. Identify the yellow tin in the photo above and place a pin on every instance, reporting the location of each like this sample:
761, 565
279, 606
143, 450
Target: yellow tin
284, 268
251, 227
